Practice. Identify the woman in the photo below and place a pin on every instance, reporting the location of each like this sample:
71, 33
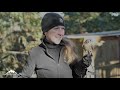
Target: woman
56, 56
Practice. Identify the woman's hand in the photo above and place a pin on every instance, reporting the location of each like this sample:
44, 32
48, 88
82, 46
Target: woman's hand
87, 59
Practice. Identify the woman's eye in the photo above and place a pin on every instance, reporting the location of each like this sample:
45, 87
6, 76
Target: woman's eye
56, 28
63, 28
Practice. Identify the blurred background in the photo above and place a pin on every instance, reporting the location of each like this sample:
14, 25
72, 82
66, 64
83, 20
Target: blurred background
20, 31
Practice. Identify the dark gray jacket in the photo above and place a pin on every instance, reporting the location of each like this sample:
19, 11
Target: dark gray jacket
40, 61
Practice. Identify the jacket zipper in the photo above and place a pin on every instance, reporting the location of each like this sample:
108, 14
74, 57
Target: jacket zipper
58, 70
58, 74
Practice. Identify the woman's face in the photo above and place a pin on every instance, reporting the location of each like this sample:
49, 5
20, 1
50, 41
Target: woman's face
55, 34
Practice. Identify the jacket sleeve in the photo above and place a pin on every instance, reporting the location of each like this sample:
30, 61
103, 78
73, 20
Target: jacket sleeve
79, 68
28, 69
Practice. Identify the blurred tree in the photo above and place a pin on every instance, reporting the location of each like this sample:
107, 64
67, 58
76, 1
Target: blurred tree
79, 22
75, 21
19, 32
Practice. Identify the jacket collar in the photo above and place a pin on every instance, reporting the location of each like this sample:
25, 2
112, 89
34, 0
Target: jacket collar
43, 45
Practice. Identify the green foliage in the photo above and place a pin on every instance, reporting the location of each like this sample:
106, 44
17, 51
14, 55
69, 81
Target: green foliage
81, 22
19, 32
75, 21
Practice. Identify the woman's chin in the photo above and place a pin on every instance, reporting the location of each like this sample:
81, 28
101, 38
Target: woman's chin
57, 42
